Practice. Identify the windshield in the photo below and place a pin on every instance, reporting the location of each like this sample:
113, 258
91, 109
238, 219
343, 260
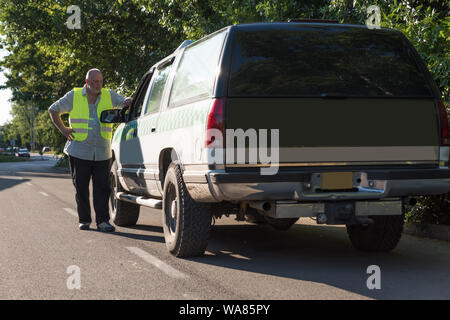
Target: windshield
323, 61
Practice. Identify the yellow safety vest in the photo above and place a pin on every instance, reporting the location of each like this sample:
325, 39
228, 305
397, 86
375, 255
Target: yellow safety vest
79, 116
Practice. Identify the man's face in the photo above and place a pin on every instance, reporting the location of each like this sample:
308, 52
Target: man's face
95, 82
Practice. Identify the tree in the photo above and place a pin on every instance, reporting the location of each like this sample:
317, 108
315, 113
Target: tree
47, 59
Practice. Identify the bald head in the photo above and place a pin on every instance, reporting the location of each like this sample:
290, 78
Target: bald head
94, 81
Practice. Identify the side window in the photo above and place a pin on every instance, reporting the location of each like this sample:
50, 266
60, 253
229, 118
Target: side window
154, 102
197, 69
139, 98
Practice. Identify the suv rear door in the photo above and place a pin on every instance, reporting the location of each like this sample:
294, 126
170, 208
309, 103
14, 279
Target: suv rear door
339, 95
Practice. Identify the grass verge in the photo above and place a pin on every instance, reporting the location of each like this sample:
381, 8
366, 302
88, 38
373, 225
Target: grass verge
4, 158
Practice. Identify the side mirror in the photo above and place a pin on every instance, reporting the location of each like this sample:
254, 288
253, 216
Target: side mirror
112, 116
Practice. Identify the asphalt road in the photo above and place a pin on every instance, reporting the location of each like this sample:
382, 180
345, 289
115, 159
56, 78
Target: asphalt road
45, 256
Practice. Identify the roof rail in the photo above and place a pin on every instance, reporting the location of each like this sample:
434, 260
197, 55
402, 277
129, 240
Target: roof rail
312, 20
184, 44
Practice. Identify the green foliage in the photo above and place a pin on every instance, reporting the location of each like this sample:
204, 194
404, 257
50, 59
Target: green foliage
8, 158
430, 210
429, 32
63, 162
47, 59
46, 133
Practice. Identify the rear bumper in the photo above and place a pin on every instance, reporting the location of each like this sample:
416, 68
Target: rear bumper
218, 185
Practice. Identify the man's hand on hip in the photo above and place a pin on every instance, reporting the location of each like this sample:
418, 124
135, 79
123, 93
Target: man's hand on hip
67, 132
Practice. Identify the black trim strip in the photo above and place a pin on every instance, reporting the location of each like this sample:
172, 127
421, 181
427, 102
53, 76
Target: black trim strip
408, 175
256, 177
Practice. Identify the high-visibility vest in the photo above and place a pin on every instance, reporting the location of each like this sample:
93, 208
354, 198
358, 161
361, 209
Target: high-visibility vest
79, 116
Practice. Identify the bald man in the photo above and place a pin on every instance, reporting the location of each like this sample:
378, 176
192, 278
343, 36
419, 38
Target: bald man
89, 145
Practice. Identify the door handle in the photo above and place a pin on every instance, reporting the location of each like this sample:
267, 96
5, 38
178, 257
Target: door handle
153, 129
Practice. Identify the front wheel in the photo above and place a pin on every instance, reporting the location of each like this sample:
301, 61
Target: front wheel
381, 236
186, 223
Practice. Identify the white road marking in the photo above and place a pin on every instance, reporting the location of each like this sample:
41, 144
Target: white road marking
72, 212
43, 193
164, 267
29, 184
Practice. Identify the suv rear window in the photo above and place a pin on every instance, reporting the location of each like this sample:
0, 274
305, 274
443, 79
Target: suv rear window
311, 61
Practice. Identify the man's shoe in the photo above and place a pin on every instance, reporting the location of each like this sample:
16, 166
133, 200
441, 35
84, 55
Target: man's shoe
106, 227
84, 226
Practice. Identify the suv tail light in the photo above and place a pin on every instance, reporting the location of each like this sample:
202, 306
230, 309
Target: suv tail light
443, 123
215, 125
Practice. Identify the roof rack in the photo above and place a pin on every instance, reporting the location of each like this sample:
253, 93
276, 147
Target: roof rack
312, 20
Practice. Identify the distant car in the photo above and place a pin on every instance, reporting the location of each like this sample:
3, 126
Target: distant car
45, 149
23, 153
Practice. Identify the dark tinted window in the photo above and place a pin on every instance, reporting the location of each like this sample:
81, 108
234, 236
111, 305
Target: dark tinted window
301, 60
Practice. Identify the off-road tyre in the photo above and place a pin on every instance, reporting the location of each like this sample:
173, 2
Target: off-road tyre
124, 214
381, 236
186, 223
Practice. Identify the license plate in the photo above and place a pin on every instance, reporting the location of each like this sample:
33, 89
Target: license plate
336, 180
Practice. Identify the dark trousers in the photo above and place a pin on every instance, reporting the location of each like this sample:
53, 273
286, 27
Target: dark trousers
82, 171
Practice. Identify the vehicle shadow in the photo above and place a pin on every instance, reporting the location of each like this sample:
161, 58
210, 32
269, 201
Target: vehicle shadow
147, 228
136, 236
323, 254
6, 183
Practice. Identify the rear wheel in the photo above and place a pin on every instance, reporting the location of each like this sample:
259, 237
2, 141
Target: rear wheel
186, 223
123, 213
381, 236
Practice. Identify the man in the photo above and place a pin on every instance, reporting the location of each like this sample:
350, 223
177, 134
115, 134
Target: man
89, 145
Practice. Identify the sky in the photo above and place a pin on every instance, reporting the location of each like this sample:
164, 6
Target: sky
5, 95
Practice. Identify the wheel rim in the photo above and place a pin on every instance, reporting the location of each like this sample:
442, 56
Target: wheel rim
171, 209
112, 197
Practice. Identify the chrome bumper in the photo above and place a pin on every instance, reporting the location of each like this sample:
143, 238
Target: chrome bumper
207, 187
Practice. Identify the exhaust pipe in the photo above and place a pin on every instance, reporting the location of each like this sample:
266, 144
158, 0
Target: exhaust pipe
261, 205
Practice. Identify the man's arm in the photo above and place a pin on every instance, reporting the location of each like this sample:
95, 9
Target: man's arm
57, 121
120, 101
63, 105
